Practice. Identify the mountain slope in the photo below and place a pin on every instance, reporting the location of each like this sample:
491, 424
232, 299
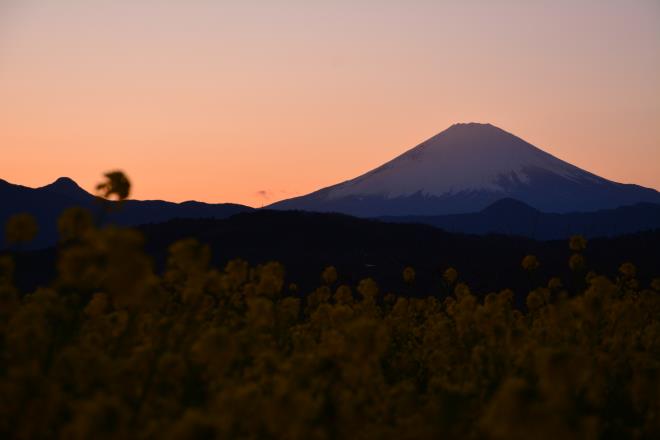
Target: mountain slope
47, 203
465, 169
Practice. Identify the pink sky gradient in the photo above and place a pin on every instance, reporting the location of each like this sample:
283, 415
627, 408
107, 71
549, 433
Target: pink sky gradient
255, 101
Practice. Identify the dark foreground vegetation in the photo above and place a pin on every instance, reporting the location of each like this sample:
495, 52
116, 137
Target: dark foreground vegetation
306, 243
113, 348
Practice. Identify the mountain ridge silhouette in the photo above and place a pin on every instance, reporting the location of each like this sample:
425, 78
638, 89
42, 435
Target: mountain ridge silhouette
46, 203
505, 216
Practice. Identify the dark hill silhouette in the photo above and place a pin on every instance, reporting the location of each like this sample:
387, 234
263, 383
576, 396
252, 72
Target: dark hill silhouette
67, 187
507, 216
512, 217
47, 203
307, 242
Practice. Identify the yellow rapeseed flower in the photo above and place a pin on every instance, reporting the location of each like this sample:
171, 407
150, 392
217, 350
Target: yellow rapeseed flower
628, 270
329, 275
21, 228
530, 263
576, 262
408, 275
577, 243
450, 275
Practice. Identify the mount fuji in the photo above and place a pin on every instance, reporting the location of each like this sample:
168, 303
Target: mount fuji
467, 168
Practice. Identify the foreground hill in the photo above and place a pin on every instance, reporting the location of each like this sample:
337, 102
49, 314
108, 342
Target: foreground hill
47, 203
465, 169
308, 242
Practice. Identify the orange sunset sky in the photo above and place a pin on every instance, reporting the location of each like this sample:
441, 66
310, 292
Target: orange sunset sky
255, 101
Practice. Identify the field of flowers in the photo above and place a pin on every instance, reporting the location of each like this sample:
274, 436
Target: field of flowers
114, 350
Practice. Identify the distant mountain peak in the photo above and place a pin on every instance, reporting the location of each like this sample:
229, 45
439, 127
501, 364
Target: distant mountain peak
476, 128
66, 186
477, 133
470, 157
466, 168
472, 125
64, 182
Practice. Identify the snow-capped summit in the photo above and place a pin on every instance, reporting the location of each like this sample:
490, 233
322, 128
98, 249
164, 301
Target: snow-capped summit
465, 157
466, 168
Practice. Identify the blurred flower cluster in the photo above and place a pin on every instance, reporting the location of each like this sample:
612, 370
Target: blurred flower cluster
114, 350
